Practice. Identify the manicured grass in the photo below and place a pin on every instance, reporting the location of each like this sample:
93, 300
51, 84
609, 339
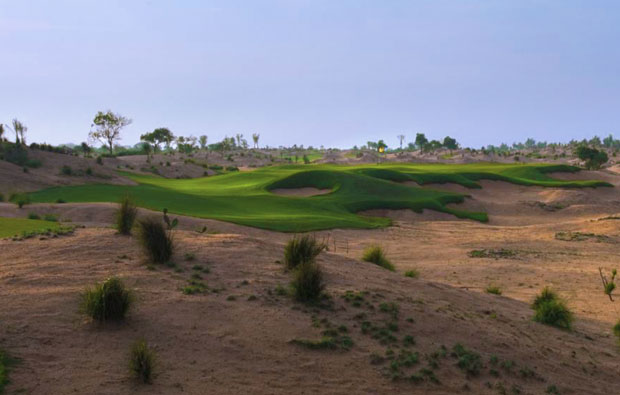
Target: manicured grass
10, 227
245, 197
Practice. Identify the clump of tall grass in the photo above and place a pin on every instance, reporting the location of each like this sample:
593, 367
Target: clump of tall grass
107, 301
301, 249
550, 309
156, 241
142, 361
376, 254
308, 282
616, 330
126, 215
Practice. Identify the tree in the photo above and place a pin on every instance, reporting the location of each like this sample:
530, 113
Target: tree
451, 143
20, 132
608, 141
157, 137
86, 149
1, 132
255, 137
420, 140
381, 146
593, 158
203, 142
239, 136
401, 137
108, 127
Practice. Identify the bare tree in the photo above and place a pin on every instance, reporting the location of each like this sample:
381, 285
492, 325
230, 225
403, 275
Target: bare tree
20, 131
255, 137
401, 137
107, 128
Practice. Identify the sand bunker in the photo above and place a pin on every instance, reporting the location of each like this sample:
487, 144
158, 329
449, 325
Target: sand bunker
300, 192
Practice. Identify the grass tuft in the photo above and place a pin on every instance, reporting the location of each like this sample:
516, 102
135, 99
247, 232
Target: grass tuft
308, 282
156, 242
142, 361
108, 301
300, 250
376, 255
550, 309
491, 289
126, 215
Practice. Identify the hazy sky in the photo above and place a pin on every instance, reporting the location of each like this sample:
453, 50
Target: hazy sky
314, 72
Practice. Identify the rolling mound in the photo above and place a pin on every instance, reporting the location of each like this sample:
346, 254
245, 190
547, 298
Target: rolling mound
246, 198
237, 336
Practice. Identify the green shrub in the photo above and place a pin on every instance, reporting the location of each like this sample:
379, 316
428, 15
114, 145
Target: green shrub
21, 199
99, 160
468, 360
493, 290
66, 170
142, 361
412, 273
549, 309
108, 301
50, 217
59, 200
33, 216
156, 241
126, 215
376, 255
616, 330
300, 250
1, 197
308, 282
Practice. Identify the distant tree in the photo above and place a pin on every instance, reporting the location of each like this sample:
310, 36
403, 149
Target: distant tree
608, 141
372, 145
1, 132
255, 137
420, 140
107, 128
157, 137
20, 132
381, 146
239, 136
530, 143
86, 148
592, 157
431, 146
595, 141
401, 137
450, 143
203, 142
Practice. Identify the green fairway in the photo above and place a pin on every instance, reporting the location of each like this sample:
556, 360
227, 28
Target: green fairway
245, 197
10, 227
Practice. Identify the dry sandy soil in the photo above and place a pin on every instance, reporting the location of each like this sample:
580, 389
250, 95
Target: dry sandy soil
222, 342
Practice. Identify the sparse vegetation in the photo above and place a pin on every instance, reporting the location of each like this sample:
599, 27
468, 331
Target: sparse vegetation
491, 289
501, 253
142, 361
300, 250
580, 236
468, 361
550, 309
126, 215
156, 241
107, 301
376, 254
412, 273
308, 282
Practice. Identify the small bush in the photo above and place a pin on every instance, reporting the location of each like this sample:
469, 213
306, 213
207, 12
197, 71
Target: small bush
300, 250
376, 255
156, 241
493, 290
412, 273
107, 301
142, 361
60, 201
308, 282
551, 310
126, 216
33, 216
21, 199
99, 160
66, 170
50, 218
1, 197
616, 330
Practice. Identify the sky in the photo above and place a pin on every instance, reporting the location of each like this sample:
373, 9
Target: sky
336, 73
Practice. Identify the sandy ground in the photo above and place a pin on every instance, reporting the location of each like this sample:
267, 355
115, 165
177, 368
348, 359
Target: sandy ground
212, 344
